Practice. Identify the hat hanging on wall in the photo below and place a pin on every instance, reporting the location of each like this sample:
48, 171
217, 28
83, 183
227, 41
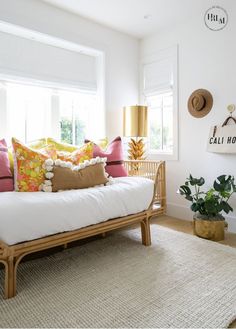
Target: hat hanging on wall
200, 103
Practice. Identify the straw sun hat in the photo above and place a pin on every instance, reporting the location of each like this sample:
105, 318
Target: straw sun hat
200, 103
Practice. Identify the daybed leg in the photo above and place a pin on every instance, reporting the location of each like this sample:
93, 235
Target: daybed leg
6, 285
10, 278
103, 234
146, 233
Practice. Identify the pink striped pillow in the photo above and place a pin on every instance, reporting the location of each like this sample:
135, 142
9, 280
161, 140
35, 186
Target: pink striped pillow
114, 154
6, 178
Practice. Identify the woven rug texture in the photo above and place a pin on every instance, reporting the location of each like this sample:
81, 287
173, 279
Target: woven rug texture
180, 281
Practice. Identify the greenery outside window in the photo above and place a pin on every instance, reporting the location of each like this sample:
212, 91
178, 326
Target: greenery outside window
160, 111
76, 116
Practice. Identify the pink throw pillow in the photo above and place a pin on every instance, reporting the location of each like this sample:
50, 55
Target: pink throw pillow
6, 178
115, 160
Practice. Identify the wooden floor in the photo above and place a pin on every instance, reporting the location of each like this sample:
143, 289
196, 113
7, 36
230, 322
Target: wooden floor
186, 227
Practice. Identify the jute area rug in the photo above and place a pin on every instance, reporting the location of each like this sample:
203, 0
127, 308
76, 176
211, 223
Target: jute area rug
180, 281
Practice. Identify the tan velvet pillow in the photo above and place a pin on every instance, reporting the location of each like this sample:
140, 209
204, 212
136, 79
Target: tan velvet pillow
62, 175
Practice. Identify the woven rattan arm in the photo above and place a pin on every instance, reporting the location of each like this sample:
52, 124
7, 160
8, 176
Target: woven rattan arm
154, 170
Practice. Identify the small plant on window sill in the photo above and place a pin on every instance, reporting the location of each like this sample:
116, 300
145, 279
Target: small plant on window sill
209, 205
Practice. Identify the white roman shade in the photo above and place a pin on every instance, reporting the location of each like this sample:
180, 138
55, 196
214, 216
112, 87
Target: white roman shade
158, 76
159, 71
35, 60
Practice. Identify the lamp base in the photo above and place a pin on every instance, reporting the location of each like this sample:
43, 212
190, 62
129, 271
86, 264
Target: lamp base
136, 149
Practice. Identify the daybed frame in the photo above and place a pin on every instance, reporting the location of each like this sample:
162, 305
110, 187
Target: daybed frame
11, 256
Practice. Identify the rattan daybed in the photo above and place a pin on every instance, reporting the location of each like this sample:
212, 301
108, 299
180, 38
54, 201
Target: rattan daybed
11, 255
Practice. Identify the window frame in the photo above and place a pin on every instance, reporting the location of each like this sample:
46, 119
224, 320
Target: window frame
54, 107
170, 54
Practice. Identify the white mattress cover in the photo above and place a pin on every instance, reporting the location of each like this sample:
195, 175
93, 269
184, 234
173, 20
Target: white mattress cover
26, 216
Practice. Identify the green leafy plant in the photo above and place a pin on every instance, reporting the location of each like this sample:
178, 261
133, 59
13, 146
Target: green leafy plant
209, 204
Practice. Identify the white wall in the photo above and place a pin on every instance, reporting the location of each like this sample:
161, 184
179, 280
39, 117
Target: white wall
207, 60
121, 51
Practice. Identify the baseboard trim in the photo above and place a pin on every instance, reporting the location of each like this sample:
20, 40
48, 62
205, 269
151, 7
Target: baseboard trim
183, 212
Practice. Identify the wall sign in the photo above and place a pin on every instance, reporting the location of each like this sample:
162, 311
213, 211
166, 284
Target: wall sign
216, 18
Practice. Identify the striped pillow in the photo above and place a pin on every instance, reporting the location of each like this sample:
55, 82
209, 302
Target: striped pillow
6, 178
114, 154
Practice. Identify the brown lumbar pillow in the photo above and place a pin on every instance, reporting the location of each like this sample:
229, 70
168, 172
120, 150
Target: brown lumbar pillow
62, 175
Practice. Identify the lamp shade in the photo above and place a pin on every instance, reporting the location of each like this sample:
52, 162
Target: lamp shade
135, 121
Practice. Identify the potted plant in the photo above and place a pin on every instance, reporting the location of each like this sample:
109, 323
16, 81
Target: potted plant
208, 222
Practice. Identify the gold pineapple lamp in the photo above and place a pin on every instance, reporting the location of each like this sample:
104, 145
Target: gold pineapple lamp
135, 125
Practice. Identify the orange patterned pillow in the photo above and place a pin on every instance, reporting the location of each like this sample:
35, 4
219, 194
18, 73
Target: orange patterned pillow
29, 168
83, 153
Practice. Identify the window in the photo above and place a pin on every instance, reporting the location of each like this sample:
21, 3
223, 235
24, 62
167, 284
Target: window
160, 113
159, 93
27, 111
76, 116
56, 90
32, 112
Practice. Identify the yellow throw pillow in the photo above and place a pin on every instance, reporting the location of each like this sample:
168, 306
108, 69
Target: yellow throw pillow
81, 154
37, 144
29, 169
103, 142
61, 146
11, 160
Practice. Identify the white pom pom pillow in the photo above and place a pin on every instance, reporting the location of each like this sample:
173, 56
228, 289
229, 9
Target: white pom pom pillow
62, 175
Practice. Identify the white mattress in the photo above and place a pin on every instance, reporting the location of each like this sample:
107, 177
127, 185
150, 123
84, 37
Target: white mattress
26, 216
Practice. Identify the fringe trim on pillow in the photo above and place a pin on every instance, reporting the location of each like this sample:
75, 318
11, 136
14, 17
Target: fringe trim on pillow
49, 165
